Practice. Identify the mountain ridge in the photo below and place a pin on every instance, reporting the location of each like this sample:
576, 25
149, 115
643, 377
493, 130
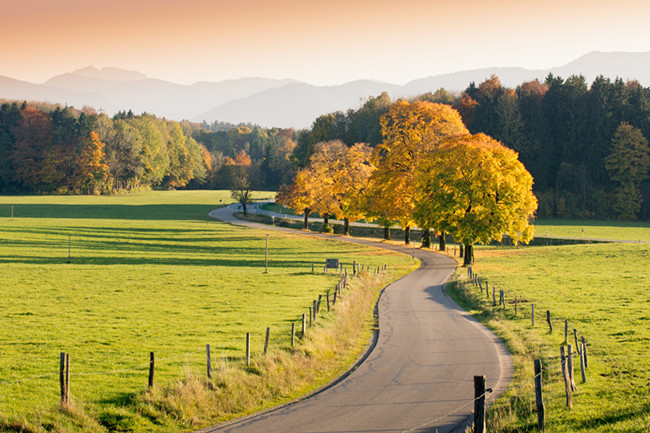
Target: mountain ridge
283, 102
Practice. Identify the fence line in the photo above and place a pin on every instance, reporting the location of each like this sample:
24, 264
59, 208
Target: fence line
149, 365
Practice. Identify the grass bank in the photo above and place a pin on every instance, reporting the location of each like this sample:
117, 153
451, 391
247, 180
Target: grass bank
602, 290
152, 272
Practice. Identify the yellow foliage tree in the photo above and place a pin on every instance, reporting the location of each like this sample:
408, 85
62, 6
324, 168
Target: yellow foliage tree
410, 130
332, 184
476, 189
91, 172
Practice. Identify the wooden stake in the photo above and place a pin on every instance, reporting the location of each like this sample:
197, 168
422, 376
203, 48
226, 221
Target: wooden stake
266, 340
566, 331
479, 404
248, 349
209, 361
570, 367
304, 326
293, 333
539, 401
548, 319
582, 364
584, 350
152, 368
532, 315
567, 381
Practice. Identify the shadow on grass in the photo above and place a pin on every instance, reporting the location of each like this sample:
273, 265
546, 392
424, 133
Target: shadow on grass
135, 212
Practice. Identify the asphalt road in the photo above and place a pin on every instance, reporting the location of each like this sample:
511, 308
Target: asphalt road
419, 375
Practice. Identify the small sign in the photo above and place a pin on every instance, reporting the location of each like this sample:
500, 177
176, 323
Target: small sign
332, 263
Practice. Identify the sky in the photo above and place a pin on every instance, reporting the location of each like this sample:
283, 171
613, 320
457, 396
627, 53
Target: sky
324, 42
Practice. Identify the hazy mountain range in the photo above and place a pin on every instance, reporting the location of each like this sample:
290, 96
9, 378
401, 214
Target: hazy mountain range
281, 103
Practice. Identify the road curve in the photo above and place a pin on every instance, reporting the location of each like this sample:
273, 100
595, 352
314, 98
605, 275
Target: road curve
419, 375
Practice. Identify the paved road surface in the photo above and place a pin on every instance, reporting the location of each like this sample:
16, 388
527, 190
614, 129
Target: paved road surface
418, 377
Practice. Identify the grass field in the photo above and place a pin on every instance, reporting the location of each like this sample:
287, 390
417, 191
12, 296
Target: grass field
611, 230
148, 272
602, 289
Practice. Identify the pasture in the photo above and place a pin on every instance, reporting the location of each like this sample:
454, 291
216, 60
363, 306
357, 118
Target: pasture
110, 279
602, 290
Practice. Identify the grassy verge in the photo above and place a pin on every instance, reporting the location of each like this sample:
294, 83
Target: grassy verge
601, 289
152, 272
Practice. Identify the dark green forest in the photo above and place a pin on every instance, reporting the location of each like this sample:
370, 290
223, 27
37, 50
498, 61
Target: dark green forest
585, 145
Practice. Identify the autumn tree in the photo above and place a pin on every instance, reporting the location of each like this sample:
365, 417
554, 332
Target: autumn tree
476, 189
299, 195
627, 165
410, 130
91, 173
240, 169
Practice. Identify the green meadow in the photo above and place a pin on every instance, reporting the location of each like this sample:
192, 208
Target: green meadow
607, 230
602, 290
110, 279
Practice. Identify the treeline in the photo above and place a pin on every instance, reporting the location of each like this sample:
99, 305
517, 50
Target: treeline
49, 149
567, 134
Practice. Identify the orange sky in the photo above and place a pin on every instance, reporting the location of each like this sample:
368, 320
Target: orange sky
321, 42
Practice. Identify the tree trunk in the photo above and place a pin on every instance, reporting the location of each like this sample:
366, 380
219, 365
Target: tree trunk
461, 250
469, 255
346, 226
306, 222
387, 233
442, 242
407, 235
326, 222
426, 238
243, 203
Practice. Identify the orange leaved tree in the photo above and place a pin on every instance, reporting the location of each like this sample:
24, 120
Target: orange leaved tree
410, 130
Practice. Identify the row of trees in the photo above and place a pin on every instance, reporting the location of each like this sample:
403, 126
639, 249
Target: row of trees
62, 150
47, 148
563, 130
429, 171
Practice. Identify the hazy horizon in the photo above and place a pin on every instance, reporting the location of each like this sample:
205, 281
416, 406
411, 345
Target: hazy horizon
321, 44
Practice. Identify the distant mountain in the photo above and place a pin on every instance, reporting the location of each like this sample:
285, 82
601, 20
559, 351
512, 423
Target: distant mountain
296, 104
282, 103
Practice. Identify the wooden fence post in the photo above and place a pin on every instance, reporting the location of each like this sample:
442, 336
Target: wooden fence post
266, 340
304, 326
320, 298
516, 298
327, 297
567, 381
570, 367
575, 337
152, 368
310, 316
584, 349
209, 361
334, 300
582, 363
293, 333
566, 331
548, 319
248, 349
539, 401
64, 378
532, 315
312, 267
494, 298
479, 404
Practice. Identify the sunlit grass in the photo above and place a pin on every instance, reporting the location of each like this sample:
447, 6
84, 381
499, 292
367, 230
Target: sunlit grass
147, 272
602, 289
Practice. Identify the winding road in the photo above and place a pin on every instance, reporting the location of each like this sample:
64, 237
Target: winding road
419, 375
